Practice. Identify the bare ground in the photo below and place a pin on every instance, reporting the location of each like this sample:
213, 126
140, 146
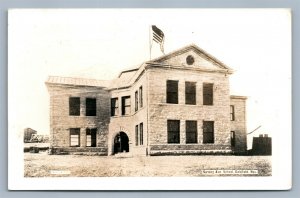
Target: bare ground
44, 165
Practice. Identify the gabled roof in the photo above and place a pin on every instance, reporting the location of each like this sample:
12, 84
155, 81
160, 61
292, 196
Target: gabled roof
196, 49
77, 81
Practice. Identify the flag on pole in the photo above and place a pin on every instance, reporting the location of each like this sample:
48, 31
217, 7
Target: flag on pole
158, 37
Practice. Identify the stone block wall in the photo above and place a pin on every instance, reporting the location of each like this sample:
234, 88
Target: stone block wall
127, 123
238, 125
61, 121
160, 111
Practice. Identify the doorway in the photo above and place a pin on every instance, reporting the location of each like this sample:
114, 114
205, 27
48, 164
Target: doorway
121, 143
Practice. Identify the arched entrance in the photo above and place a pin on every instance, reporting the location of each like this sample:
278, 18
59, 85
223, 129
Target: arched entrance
121, 143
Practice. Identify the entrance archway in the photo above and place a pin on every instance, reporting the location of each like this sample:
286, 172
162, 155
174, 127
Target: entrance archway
121, 143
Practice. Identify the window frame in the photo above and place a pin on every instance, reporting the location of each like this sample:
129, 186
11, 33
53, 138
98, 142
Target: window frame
136, 135
72, 106
232, 113
114, 109
141, 96
190, 92
124, 98
190, 130
136, 101
210, 140
171, 132
232, 138
208, 95
141, 133
74, 130
172, 92
91, 131
91, 107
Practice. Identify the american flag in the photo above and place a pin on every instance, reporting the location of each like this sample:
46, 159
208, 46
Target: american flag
158, 37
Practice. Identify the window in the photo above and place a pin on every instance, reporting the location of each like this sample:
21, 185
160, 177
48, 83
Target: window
141, 134
91, 137
207, 94
191, 131
190, 93
136, 99
232, 137
172, 91
90, 106
75, 137
74, 106
141, 96
173, 131
136, 135
208, 132
126, 105
114, 107
232, 118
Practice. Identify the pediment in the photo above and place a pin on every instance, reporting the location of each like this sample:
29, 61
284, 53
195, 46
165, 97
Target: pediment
191, 56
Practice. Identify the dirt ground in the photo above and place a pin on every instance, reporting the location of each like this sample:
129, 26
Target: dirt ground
44, 165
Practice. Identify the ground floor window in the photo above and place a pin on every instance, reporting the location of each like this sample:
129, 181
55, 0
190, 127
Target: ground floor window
173, 131
136, 135
91, 137
208, 132
191, 131
141, 134
232, 137
75, 137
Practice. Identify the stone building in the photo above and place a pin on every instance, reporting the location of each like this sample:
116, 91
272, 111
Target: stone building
179, 103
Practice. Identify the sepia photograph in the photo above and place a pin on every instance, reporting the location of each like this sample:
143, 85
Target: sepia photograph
149, 99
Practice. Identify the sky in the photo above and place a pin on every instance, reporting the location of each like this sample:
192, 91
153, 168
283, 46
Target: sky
99, 43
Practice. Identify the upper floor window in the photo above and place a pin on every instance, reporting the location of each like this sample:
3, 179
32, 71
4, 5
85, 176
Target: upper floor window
74, 106
136, 101
232, 118
125, 105
173, 131
190, 93
114, 107
208, 132
90, 106
141, 96
191, 131
208, 94
172, 91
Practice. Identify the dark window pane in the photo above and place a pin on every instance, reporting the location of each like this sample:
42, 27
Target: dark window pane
136, 107
172, 91
190, 93
191, 131
208, 132
114, 107
141, 96
126, 105
232, 118
136, 135
173, 131
74, 106
208, 138
90, 107
141, 134
91, 137
207, 94
232, 138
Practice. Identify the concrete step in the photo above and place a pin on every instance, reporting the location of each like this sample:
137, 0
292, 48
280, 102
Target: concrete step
123, 155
